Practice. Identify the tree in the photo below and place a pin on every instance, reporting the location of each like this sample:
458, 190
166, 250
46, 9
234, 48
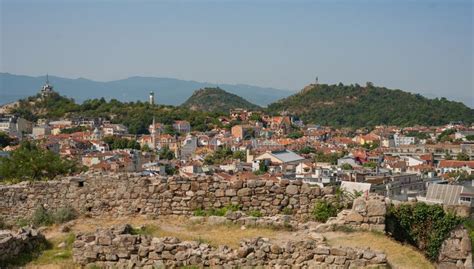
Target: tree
462, 156
295, 135
166, 153
307, 150
5, 140
262, 167
371, 165
240, 155
30, 162
470, 137
346, 166
448, 156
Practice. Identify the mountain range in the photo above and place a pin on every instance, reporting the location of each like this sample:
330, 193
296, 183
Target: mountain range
167, 91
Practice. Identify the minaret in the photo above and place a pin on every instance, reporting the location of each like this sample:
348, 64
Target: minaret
152, 98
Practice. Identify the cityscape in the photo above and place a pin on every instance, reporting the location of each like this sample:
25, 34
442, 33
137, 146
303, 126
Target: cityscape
166, 173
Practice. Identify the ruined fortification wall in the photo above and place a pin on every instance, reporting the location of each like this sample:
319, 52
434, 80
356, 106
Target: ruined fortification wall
13, 243
125, 195
456, 251
117, 248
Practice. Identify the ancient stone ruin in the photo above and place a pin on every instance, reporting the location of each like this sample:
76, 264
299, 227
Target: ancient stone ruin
115, 195
119, 248
456, 251
367, 213
13, 243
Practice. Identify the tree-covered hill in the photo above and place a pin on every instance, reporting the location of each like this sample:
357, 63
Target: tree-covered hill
359, 106
137, 116
216, 100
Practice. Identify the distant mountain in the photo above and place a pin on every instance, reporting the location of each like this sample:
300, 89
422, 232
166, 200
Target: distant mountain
216, 100
358, 106
168, 91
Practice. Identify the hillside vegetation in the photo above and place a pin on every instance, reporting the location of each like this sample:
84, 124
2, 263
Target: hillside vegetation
216, 100
358, 106
136, 116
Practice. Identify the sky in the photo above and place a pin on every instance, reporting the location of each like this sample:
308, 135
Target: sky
418, 46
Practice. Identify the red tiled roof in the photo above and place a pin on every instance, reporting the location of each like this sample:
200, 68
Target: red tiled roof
455, 164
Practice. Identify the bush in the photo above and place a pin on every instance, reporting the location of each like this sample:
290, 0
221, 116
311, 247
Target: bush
323, 210
287, 211
222, 211
44, 217
41, 217
64, 214
255, 213
421, 225
199, 212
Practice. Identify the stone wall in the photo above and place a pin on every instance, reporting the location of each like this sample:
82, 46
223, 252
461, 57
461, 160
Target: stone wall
117, 248
456, 251
13, 243
126, 195
367, 213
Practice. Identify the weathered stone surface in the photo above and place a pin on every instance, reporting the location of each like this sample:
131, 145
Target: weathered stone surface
292, 189
257, 252
376, 208
112, 195
456, 250
14, 243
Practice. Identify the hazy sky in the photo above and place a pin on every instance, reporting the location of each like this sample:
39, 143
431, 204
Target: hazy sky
419, 46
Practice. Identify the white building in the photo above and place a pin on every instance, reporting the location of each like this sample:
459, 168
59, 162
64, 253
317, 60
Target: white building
401, 140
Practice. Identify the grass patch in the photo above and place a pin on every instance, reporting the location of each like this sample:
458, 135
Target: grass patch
55, 255
255, 213
214, 235
398, 255
344, 228
222, 211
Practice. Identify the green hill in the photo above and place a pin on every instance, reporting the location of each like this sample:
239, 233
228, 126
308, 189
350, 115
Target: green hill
358, 106
137, 116
216, 100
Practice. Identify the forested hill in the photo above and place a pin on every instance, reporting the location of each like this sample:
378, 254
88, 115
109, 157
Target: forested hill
358, 106
216, 100
137, 116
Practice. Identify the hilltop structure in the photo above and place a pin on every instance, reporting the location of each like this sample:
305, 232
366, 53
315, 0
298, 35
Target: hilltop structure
47, 89
151, 98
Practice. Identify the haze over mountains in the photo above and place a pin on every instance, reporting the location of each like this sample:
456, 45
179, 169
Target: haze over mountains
168, 91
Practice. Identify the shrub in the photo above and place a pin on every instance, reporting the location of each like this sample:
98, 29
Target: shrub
255, 213
222, 211
41, 217
64, 214
287, 211
421, 225
323, 210
21, 222
199, 212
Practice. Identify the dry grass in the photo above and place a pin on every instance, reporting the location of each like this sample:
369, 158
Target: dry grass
399, 256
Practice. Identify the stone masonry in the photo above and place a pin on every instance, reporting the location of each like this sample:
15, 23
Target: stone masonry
114, 195
456, 251
117, 248
13, 243
367, 213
